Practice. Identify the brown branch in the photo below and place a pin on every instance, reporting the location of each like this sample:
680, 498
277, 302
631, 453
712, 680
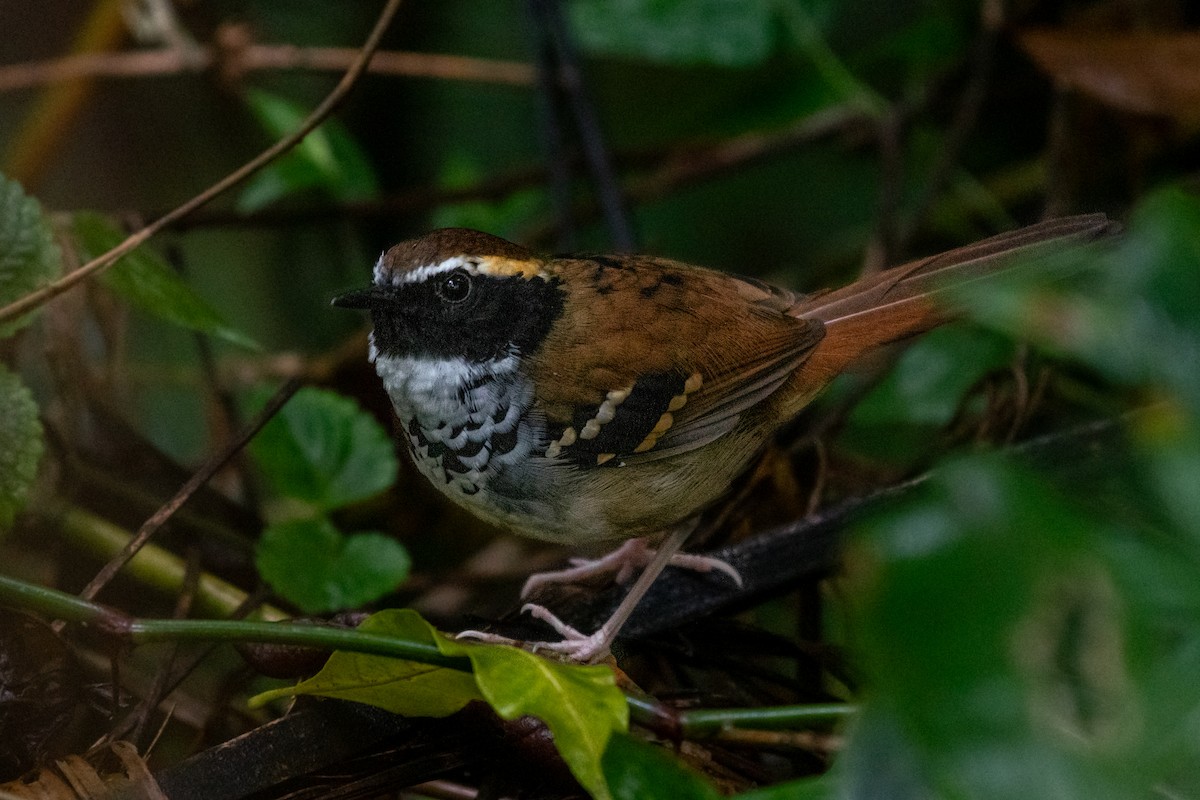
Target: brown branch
233, 56
416, 65
51, 290
703, 162
697, 163
668, 170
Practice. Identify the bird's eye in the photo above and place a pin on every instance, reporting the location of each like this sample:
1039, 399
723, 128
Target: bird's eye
455, 287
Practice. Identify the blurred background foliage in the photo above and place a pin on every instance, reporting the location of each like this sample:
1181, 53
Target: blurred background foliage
1025, 624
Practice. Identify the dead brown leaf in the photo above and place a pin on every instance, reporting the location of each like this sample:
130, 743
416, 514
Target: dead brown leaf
1140, 72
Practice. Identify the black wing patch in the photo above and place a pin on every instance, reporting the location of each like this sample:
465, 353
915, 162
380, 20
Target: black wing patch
626, 422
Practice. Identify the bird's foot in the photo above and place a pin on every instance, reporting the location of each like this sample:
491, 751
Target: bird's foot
622, 564
575, 646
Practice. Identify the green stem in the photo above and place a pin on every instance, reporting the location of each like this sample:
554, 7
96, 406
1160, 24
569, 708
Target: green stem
60, 605
696, 723
702, 722
705, 721
53, 603
325, 637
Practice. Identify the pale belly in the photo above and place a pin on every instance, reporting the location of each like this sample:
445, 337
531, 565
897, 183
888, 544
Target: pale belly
474, 434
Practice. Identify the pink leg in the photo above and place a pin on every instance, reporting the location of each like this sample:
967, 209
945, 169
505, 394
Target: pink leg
633, 554
589, 649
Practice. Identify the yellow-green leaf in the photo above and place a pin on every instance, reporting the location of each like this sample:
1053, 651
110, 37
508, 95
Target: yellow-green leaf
581, 706
402, 687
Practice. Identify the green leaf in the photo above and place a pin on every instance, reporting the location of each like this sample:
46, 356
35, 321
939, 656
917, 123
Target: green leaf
401, 687
323, 449
879, 760
728, 33
914, 46
1003, 626
636, 770
901, 415
147, 282
327, 159
21, 444
1168, 444
1135, 320
28, 255
580, 705
819, 788
310, 563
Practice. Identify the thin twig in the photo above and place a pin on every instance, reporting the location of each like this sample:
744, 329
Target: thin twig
170, 62
324, 109
158, 688
181, 671
673, 168
201, 476
696, 163
822, 743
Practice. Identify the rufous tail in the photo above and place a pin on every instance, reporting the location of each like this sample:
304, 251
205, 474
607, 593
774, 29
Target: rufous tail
900, 302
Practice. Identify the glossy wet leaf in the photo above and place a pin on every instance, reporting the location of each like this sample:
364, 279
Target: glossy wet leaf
147, 282
310, 563
323, 449
28, 255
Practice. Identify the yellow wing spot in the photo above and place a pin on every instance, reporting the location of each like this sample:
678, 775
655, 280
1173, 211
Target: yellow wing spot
693, 383
664, 422
677, 402
646, 444
604, 458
